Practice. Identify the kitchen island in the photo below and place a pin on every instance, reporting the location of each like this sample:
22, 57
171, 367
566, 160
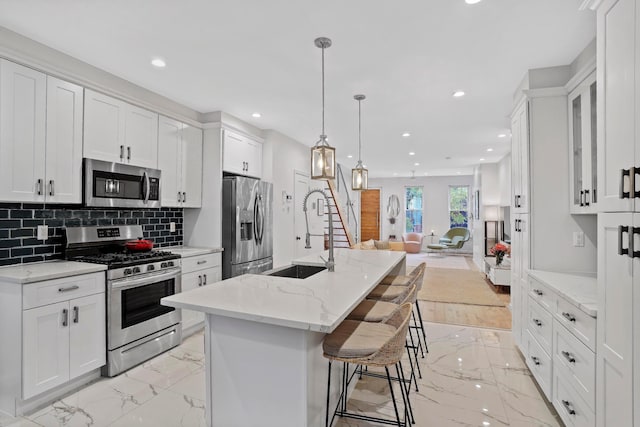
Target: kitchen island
263, 337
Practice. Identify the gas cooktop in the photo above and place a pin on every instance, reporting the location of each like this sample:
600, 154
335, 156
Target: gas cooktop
125, 259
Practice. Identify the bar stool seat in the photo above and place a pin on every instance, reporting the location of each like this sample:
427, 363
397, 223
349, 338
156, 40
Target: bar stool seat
397, 280
372, 311
388, 293
354, 339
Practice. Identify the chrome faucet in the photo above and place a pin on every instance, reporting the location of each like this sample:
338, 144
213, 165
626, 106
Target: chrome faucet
330, 263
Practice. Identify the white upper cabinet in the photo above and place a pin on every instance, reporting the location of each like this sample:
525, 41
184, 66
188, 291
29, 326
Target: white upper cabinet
180, 160
583, 147
23, 94
63, 177
520, 158
618, 154
115, 131
241, 155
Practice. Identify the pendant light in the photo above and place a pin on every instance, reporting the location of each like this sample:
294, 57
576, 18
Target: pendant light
359, 175
323, 156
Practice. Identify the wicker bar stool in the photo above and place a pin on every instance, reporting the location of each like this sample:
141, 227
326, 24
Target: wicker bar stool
392, 279
369, 344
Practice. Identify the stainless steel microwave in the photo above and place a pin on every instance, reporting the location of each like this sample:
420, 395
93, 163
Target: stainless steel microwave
116, 185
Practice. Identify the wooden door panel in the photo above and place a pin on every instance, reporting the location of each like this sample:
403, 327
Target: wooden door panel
370, 215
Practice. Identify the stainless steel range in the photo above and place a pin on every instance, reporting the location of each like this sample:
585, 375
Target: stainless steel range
138, 326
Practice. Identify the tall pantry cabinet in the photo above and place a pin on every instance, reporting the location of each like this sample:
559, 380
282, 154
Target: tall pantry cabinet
618, 322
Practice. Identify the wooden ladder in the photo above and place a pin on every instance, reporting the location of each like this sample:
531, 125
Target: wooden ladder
342, 237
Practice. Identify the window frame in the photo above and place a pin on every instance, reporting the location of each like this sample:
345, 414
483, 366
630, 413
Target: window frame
467, 210
405, 210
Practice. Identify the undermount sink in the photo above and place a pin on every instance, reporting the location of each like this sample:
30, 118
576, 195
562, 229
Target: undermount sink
295, 271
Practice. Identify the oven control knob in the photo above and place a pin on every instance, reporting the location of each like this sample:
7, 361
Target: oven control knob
170, 264
127, 271
136, 269
163, 265
151, 267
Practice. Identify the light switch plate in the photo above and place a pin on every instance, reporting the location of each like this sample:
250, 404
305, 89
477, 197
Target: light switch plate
43, 232
578, 238
172, 227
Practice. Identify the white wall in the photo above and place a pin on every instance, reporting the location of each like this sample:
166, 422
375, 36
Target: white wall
435, 204
504, 178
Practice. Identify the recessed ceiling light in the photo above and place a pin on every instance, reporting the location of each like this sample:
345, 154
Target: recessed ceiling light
502, 135
416, 164
458, 93
411, 153
406, 134
158, 62
482, 159
472, 1
395, 174
256, 115
489, 149
349, 156
458, 173
426, 173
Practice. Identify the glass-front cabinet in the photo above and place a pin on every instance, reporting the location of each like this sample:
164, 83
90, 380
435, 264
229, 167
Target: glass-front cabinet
582, 142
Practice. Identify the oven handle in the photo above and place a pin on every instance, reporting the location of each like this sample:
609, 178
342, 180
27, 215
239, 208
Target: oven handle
147, 279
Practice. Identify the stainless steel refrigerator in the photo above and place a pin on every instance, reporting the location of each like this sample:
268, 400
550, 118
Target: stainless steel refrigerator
247, 224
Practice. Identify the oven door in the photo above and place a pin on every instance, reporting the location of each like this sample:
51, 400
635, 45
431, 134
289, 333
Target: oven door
134, 309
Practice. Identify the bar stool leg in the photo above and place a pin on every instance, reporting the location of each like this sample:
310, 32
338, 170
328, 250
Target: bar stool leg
424, 335
413, 373
417, 327
326, 419
393, 396
415, 354
407, 403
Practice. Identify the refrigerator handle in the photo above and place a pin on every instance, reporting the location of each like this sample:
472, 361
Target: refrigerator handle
256, 234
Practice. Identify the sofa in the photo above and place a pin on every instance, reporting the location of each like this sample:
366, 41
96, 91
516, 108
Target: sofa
371, 245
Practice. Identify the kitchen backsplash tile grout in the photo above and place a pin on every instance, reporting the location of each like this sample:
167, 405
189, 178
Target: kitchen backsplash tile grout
19, 221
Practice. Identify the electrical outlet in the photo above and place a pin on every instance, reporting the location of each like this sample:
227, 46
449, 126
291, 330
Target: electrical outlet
172, 227
578, 238
43, 232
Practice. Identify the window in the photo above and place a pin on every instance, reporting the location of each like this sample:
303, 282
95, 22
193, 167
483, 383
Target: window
413, 210
459, 206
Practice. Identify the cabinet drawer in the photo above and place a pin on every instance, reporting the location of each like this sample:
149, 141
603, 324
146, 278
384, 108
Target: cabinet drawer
540, 324
201, 262
542, 294
539, 362
577, 322
575, 362
570, 406
53, 291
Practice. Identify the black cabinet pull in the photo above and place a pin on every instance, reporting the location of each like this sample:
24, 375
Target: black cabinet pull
621, 230
568, 356
535, 360
623, 173
569, 407
538, 292
586, 198
581, 197
570, 317
205, 279
199, 280
65, 317
76, 314
537, 322
632, 251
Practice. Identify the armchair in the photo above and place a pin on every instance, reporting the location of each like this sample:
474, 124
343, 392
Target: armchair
412, 242
455, 238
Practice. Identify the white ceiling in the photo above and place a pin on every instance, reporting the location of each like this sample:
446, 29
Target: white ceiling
407, 57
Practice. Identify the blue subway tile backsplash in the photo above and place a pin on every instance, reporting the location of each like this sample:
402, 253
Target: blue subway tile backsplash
18, 222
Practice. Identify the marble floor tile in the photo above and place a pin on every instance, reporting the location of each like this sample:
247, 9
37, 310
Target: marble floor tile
505, 357
497, 338
194, 343
98, 404
168, 368
166, 409
7, 421
192, 385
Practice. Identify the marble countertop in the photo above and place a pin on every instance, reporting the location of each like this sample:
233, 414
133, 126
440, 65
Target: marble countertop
188, 251
39, 271
318, 303
579, 290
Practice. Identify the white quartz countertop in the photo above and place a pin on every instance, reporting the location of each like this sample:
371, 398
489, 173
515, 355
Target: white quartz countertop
188, 251
39, 271
317, 303
579, 290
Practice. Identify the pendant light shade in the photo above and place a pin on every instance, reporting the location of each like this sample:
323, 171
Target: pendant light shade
359, 175
323, 156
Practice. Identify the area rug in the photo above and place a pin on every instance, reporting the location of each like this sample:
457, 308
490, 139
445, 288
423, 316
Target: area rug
439, 261
458, 286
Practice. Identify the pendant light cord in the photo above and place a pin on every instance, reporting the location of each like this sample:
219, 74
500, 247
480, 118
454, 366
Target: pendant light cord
323, 134
359, 131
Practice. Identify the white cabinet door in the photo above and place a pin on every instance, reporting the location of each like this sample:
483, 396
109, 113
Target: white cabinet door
104, 127
254, 158
22, 133
45, 342
169, 161
617, 96
234, 153
520, 158
615, 335
64, 142
141, 137
87, 334
192, 281
191, 167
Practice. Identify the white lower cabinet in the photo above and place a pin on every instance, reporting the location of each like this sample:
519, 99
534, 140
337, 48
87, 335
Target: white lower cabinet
197, 271
53, 332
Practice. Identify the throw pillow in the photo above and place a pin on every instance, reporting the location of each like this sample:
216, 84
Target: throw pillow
368, 245
381, 244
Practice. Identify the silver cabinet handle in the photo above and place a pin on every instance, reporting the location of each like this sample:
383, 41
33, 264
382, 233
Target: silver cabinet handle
570, 317
65, 317
537, 322
205, 279
128, 153
179, 197
122, 152
39, 187
76, 314
202, 261
568, 356
569, 407
69, 288
199, 280
184, 197
535, 360
51, 188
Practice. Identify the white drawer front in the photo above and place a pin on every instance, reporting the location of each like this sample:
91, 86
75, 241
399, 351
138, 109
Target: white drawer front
540, 324
575, 362
539, 363
542, 294
201, 262
572, 408
53, 291
578, 322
